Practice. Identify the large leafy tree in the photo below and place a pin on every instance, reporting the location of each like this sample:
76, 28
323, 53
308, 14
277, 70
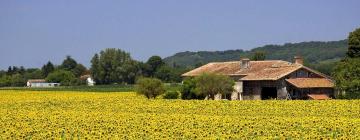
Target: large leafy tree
79, 70
69, 63
212, 84
47, 68
347, 72
95, 68
347, 76
113, 66
354, 44
155, 62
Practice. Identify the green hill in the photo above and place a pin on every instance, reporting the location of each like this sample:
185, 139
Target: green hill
319, 55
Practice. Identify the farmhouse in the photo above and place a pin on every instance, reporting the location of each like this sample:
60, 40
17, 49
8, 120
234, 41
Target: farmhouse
271, 79
40, 83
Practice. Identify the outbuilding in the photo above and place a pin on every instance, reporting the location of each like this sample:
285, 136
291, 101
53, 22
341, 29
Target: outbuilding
40, 83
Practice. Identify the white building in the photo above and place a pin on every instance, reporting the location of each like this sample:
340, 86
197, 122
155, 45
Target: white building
40, 83
89, 80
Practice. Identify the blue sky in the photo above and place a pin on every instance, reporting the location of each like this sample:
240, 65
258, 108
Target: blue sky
33, 32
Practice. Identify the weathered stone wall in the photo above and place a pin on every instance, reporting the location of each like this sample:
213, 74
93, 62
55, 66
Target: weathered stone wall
238, 89
281, 89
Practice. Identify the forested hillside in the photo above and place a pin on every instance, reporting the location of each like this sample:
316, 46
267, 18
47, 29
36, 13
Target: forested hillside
319, 55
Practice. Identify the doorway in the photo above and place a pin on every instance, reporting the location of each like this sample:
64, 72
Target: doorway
268, 93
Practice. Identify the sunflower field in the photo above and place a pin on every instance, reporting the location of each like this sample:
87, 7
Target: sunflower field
126, 115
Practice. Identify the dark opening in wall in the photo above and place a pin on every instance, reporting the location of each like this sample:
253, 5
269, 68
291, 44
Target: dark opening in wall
268, 93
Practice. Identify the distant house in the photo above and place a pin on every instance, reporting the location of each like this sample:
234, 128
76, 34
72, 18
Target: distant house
271, 79
40, 83
89, 80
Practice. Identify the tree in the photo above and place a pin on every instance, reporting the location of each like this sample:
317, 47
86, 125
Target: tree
17, 80
354, 44
65, 78
5, 80
258, 56
113, 66
212, 84
347, 77
33, 74
155, 62
95, 68
68, 64
164, 73
2, 73
47, 68
145, 69
188, 90
79, 70
347, 72
22, 70
9, 71
15, 70
149, 87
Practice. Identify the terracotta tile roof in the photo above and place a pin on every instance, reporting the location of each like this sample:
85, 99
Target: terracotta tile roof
318, 96
36, 80
84, 77
311, 82
258, 70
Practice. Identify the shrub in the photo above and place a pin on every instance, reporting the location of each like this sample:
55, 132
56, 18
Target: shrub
171, 95
188, 90
150, 87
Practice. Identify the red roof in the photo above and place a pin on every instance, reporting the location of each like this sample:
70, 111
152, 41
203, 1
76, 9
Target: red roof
311, 82
318, 96
36, 80
258, 70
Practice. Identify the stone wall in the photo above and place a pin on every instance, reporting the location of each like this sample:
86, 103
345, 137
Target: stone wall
238, 90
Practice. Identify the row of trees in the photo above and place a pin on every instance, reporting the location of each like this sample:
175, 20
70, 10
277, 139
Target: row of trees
110, 66
116, 66
68, 73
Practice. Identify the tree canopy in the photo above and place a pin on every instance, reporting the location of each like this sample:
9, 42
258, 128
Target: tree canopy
212, 84
150, 87
113, 66
47, 68
347, 72
354, 44
65, 78
68, 63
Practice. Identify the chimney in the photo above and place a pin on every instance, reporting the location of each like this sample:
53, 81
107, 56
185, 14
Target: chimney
245, 63
298, 60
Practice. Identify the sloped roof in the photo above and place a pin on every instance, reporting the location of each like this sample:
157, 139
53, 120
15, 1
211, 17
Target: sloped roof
258, 70
311, 82
36, 80
318, 96
84, 77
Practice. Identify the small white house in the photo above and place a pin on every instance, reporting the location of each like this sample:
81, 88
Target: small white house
40, 83
89, 80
